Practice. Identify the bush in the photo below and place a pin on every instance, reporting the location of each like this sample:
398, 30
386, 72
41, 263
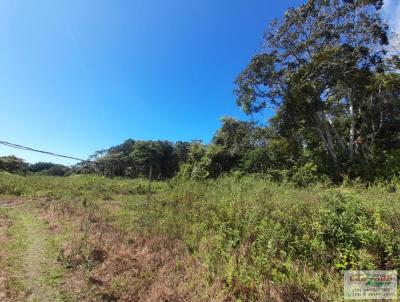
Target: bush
306, 175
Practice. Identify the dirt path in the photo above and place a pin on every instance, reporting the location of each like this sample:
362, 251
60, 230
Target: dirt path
29, 267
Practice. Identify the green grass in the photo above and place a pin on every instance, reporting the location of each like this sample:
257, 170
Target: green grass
31, 257
248, 232
73, 187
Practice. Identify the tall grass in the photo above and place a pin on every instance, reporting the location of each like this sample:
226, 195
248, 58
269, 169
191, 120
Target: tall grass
252, 234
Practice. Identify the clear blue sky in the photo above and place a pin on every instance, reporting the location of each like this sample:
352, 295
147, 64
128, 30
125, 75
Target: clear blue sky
79, 76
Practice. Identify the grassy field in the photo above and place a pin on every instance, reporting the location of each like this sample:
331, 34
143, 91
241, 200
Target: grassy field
89, 238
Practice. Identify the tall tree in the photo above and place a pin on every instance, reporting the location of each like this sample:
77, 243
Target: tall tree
323, 68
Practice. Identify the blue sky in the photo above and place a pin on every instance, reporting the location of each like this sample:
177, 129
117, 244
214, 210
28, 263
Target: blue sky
79, 76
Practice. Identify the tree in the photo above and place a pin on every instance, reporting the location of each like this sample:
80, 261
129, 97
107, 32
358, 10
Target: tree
13, 164
323, 68
136, 158
40, 166
237, 137
49, 168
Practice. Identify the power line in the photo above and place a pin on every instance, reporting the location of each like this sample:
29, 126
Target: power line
16, 146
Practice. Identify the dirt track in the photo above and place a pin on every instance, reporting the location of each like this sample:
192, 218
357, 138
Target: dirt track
28, 267
49, 254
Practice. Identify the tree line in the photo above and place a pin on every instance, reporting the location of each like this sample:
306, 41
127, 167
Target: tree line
331, 75
13, 164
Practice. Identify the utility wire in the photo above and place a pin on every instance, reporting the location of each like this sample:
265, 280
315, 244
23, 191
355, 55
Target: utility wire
16, 146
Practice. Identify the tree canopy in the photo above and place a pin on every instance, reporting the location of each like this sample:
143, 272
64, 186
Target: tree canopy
135, 158
325, 69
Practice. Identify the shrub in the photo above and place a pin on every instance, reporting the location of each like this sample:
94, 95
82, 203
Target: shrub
306, 175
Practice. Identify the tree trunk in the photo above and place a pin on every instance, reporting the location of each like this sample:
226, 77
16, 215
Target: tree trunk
326, 138
332, 152
352, 130
338, 137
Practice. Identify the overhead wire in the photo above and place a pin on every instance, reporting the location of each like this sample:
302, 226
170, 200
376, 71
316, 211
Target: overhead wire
20, 147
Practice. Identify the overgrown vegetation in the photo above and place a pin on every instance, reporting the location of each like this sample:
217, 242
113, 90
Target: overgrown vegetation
256, 238
263, 212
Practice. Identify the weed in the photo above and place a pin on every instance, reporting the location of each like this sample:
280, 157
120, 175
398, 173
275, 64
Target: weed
256, 238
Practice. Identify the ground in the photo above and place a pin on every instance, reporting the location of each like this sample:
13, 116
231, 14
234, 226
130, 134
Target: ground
48, 254
29, 268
